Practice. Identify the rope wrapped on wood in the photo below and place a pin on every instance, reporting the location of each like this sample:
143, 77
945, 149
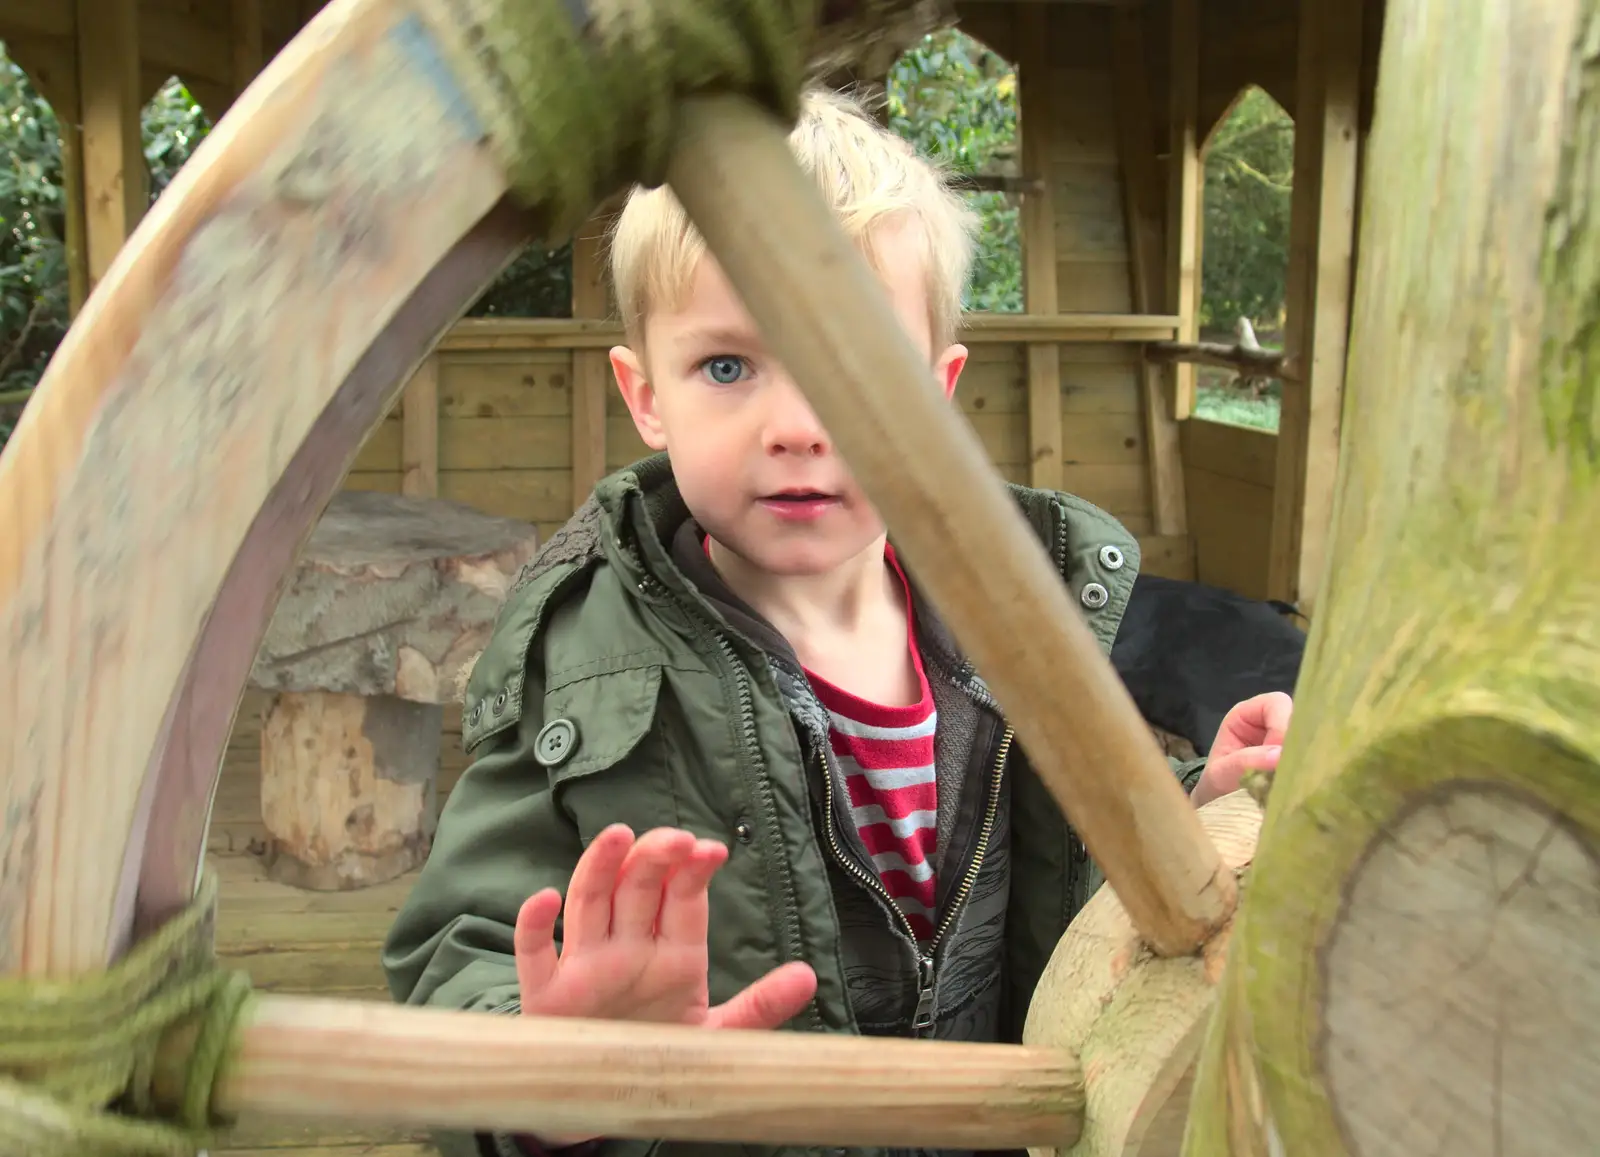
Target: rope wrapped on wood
81, 1052
578, 99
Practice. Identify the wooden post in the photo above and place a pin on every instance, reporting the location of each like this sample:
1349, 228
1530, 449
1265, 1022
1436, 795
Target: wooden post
52, 64
1039, 243
591, 369
1327, 147
1183, 194
115, 180
1416, 967
1142, 211
244, 42
419, 432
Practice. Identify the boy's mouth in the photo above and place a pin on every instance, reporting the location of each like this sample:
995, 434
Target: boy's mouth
799, 503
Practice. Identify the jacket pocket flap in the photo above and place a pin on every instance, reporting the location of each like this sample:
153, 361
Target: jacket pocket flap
594, 721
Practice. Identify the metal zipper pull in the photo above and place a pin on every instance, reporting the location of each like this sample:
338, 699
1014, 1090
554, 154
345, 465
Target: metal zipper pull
924, 1017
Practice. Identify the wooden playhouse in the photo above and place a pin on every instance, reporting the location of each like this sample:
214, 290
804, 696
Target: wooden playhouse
1091, 389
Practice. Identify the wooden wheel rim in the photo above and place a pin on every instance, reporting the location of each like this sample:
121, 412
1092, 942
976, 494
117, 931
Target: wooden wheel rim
307, 199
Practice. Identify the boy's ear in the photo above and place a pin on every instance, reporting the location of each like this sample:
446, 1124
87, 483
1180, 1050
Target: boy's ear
949, 366
639, 396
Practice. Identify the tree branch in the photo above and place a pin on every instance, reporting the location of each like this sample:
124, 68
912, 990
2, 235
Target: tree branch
1244, 360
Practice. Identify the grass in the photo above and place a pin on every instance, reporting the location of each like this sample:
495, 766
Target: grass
1217, 400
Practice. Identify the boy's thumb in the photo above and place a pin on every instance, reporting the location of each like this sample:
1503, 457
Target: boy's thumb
774, 999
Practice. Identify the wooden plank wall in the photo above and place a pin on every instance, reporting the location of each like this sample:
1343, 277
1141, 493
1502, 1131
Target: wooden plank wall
1228, 472
505, 445
1105, 434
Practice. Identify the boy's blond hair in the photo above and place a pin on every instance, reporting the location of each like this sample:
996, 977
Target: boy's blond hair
866, 174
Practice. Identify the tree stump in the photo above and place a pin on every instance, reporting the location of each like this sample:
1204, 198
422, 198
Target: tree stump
392, 600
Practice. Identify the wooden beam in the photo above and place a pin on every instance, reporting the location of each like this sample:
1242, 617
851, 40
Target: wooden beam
1182, 287
115, 182
1037, 130
244, 42
520, 333
591, 368
419, 431
1142, 211
1321, 255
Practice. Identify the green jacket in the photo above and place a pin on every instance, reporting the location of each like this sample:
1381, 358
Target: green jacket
623, 682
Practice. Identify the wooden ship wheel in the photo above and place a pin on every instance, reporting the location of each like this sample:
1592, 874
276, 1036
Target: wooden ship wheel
1400, 956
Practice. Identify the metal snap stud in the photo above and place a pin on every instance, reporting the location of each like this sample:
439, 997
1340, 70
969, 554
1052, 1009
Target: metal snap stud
499, 703
743, 832
1095, 596
1110, 557
555, 742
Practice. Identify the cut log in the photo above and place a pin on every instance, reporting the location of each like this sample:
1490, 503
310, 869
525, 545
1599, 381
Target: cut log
392, 595
392, 601
1135, 1020
1417, 966
348, 788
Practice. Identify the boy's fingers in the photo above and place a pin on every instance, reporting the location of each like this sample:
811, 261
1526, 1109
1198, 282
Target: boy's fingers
1226, 772
535, 942
769, 1002
588, 921
1268, 714
685, 911
637, 901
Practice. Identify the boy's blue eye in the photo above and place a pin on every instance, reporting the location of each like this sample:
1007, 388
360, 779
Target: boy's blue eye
724, 370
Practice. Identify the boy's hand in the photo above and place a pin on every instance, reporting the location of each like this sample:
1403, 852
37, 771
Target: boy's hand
634, 942
1250, 739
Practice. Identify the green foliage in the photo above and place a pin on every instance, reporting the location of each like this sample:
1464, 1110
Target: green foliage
537, 284
1249, 169
956, 101
34, 305
33, 268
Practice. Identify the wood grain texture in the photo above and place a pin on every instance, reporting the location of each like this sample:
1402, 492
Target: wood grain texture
348, 788
1322, 236
1416, 967
828, 321
366, 1061
1135, 1020
162, 478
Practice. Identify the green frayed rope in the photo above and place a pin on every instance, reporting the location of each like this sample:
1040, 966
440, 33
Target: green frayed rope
578, 97
77, 1055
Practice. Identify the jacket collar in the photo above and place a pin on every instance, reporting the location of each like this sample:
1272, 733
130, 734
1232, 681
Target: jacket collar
641, 512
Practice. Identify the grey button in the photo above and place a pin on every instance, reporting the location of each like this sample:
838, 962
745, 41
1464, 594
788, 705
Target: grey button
556, 742
1095, 596
1110, 557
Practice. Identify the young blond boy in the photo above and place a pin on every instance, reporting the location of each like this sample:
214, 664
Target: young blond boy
721, 651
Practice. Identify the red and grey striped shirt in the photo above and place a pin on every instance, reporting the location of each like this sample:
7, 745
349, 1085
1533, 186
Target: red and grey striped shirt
886, 755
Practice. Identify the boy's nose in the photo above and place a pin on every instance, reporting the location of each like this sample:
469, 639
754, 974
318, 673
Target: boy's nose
792, 426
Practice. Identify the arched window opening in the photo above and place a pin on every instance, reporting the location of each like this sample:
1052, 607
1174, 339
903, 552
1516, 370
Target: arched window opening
955, 100
1249, 172
172, 124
